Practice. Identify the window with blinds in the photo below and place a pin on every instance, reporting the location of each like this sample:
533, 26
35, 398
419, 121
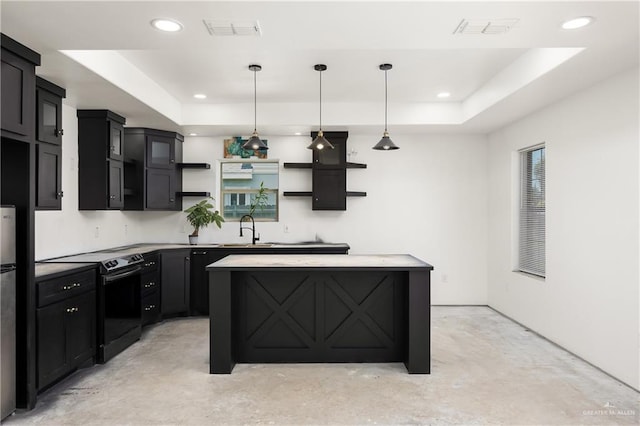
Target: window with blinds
532, 211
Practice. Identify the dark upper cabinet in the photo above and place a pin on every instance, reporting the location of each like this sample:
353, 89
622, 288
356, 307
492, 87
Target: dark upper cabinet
329, 174
18, 88
176, 271
49, 177
49, 148
100, 153
153, 180
116, 185
49, 112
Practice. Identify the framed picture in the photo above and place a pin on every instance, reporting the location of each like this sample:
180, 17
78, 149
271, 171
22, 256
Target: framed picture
233, 149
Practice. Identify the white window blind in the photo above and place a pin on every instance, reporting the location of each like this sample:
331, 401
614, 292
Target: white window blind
532, 211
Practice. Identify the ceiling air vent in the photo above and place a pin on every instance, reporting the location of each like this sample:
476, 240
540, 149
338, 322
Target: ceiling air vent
228, 28
485, 26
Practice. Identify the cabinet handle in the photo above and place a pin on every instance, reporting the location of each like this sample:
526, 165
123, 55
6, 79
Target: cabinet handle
72, 310
149, 285
171, 200
59, 194
172, 161
149, 264
112, 197
58, 132
150, 307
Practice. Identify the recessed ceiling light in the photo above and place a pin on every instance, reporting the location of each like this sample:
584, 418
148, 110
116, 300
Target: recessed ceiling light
193, 134
200, 96
443, 95
297, 133
164, 24
573, 24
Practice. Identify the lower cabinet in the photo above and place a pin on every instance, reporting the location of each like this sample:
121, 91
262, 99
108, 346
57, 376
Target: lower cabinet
66, 327
150, 290
200, 279
175, 277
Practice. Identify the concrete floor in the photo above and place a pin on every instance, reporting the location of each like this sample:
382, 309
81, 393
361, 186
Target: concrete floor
486, 369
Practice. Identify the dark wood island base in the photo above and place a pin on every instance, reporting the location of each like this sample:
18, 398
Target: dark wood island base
319, 308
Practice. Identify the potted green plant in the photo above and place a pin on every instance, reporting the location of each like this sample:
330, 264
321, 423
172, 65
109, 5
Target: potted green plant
201, 215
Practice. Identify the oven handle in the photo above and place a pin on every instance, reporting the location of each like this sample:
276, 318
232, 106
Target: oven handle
110, 278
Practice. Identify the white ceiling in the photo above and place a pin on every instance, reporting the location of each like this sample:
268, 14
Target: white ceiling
114, 59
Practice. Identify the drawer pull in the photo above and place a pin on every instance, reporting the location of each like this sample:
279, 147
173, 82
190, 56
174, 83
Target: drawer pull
72, 310
149, 285
149, 264
70, 286
150, 307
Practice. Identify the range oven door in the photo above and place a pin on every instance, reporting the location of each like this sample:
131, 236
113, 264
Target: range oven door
119, 312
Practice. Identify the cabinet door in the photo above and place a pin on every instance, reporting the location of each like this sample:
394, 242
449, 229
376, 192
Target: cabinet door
151, 308
49, 117
116, 136
52, 345
116, 184
160, 152
329, 191
199, 302
161, 189
18, 97
49, 177
175, 282
81, 328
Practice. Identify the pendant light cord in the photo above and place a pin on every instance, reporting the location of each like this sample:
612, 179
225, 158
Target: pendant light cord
385, 100
320, 128
255, 103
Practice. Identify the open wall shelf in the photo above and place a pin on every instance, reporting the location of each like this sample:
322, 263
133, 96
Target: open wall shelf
194, 165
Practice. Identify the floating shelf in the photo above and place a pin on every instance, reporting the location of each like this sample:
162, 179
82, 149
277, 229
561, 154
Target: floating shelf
193, 194
356, 194
297, 165
194, 165
297, 193
323, 166
356, 166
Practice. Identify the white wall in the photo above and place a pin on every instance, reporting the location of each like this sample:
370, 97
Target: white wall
428, 201
589, 301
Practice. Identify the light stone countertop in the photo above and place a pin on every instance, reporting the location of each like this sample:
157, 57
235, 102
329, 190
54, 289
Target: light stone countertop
313, 261
44, 269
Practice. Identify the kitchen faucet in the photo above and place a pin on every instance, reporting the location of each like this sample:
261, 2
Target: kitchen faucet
253, 228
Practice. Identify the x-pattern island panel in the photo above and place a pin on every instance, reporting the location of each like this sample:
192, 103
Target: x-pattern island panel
319, 308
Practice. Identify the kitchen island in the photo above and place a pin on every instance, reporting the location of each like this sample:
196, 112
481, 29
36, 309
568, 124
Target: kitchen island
273, 308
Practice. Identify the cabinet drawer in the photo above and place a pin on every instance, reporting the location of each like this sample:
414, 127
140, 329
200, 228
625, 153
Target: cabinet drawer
57, 289
151, 308
150, 263
149, 283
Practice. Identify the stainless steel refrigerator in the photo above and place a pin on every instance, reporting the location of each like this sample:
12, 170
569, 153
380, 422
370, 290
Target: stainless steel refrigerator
8, 311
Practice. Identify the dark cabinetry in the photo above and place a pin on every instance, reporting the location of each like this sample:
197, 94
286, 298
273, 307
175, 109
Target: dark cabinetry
175, 271
199, 279
329, 174
49, 148
152, 179
65, 325
101, 171
150, 288
18, 76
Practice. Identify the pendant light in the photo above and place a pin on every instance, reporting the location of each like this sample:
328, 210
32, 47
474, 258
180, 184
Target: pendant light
385, 144
320, 142
254, 142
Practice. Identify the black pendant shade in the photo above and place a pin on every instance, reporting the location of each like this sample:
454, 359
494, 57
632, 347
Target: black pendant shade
385, 144
254, 142
320, 142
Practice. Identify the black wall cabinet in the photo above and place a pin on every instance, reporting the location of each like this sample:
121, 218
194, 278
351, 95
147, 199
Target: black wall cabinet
49, 136
152, 179
329, 174
18, 88
101, 171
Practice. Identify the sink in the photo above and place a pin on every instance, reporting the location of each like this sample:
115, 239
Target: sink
245, 245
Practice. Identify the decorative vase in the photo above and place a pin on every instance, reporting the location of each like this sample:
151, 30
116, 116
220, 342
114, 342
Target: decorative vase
193, 239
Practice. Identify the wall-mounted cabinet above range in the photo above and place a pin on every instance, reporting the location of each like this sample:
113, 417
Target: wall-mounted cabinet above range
100, 167
153, 178
329, 174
